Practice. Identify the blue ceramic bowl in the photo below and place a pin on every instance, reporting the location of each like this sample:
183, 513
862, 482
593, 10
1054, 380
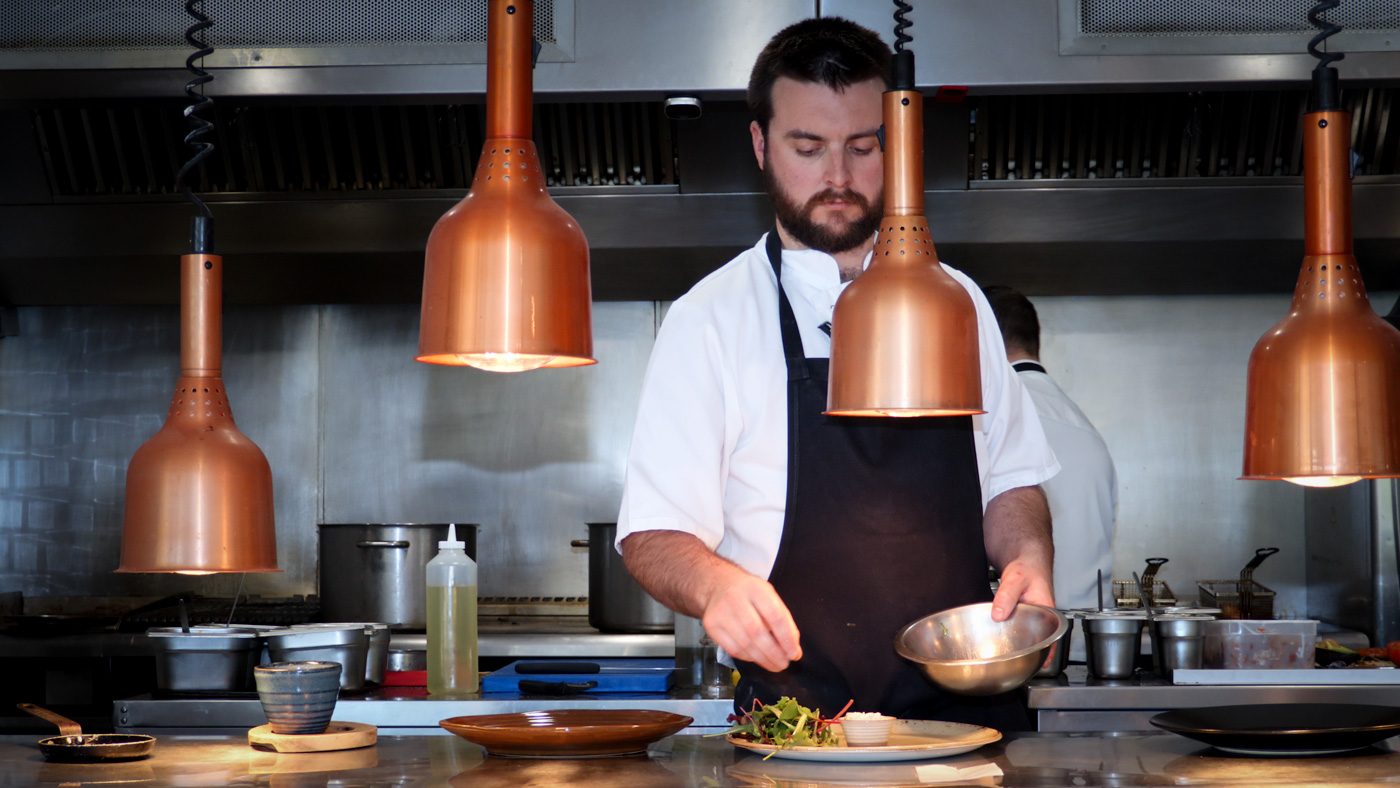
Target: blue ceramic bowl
298, 697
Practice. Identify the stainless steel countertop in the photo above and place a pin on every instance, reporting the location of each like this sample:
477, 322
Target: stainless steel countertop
688, 761
1075, 689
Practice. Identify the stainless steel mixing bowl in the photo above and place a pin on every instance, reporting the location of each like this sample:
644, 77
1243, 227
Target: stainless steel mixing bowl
962, 650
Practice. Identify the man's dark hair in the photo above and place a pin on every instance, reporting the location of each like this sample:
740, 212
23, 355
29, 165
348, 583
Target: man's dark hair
1020, 328
828, 50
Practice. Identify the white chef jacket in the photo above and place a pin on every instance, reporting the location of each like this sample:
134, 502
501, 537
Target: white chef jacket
1083, 496
710, 447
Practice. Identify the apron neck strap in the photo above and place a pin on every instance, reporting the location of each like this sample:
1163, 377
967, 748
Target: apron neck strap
792, 338
1028, 366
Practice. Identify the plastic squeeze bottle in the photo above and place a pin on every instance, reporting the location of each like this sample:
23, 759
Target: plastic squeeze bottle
452, 654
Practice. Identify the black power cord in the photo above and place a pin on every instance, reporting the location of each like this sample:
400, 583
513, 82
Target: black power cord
1326, 95
202, 227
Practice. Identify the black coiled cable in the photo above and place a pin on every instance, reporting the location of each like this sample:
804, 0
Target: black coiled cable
1327, 30
199, 102
901, 23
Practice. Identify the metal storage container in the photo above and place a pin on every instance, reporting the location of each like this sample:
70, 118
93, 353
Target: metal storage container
205, 658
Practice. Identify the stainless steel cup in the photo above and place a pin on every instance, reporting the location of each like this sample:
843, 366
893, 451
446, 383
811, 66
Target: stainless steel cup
1177, 643
1058, 657
1112, 644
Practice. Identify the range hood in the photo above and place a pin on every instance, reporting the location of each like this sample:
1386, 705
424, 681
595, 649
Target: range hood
1093, 155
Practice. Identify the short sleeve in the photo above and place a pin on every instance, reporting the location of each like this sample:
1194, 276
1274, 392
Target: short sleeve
1017, 452
677, 462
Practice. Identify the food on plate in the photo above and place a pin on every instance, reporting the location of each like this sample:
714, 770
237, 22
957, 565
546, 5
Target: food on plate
784, 724
1394, 648
1329, 653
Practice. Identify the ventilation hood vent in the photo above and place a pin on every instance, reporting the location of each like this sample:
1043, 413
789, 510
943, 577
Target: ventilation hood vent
272, 150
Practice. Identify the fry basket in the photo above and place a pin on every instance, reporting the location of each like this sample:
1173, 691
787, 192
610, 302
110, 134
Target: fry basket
1244, 598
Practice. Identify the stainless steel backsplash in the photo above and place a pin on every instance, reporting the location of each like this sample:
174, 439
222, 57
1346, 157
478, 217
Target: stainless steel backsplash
356, 431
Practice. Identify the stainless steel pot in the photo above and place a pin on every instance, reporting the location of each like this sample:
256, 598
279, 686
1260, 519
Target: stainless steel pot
377, 572
616, 602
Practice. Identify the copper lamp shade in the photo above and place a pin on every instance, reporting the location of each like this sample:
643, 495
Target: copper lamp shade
199, 492
506, 283
1323, 398
904, 332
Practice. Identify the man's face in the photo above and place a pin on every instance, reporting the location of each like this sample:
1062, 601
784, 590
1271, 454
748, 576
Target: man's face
822, 163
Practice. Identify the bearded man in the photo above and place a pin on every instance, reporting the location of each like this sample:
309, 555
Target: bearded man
804, 542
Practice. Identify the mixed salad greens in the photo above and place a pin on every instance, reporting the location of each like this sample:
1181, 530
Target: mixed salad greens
784, 724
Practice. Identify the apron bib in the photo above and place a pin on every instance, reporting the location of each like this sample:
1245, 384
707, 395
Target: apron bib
883, 525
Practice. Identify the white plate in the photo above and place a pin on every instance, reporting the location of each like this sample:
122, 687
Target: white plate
910, 740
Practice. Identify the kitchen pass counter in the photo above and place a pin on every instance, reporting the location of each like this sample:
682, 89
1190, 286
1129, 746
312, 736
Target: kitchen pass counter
689, 761
1075, 701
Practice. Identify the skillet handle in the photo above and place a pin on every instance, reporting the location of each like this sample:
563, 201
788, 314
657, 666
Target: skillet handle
66, 726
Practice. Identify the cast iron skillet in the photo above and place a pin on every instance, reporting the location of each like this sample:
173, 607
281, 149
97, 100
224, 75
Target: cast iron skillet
74, 746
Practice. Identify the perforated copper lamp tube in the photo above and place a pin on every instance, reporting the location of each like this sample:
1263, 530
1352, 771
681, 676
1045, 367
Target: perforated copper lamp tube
904, 332
506, 282
199, 492
1323, 397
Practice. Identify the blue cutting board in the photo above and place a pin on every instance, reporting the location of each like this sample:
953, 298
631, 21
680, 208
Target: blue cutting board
614, 675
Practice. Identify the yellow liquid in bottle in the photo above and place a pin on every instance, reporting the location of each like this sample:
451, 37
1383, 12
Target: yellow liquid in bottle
452, 640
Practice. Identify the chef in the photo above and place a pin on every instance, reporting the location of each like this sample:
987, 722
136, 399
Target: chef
1083, 496
804, 542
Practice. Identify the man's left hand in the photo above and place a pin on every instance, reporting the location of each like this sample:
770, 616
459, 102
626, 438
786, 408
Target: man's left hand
1021, 582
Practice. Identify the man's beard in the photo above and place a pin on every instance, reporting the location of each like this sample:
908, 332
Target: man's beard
797, 219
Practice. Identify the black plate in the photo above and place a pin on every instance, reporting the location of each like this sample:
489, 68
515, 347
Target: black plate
1284, 728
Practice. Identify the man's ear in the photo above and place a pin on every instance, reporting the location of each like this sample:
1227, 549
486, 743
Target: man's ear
759, 143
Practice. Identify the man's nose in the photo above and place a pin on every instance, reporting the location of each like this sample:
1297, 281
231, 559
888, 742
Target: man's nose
838, 171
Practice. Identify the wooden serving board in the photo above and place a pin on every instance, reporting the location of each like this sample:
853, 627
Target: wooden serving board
338, 736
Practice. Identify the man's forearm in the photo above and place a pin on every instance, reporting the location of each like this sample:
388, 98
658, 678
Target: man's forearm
1016, 531
1016, 526
677, 568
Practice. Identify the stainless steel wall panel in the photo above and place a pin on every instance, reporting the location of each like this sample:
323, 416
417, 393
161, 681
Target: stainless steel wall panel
1163, 380
531, 457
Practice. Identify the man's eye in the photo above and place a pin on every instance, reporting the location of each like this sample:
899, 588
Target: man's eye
808, 151
862, 151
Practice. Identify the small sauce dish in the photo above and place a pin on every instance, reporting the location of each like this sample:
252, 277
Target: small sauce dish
866, 728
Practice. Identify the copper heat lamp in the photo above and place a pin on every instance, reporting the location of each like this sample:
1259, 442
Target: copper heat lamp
904, 332
199, 492
1323, 398
506, 283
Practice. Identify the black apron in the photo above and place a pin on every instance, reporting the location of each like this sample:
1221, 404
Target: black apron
883, 526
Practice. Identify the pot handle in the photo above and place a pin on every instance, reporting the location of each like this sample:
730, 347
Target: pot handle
579, 543
374, 543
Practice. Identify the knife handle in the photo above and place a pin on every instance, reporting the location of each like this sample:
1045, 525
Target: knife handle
556, 667
532, 687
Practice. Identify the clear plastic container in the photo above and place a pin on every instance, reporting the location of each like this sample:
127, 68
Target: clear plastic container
452, 609
1259, 645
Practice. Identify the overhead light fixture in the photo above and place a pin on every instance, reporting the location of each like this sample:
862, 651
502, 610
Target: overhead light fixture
199, 492
1323, 397
904, 332
506, 284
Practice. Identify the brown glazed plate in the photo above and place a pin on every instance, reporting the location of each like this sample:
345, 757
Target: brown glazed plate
567, 733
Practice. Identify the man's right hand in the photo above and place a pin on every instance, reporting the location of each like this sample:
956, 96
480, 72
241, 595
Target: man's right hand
740, 611
748, 619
